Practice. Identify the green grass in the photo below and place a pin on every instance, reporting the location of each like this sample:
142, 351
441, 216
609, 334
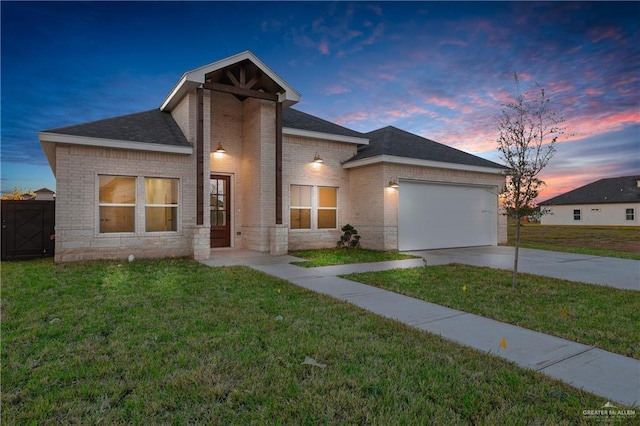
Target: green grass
174, 341
609, 241
335, 256
603, 317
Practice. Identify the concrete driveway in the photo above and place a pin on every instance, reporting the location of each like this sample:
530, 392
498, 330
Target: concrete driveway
619, 273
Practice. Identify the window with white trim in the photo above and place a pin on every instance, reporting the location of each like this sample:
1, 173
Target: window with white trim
313, 207
577, 215
116, 203
630, 214
327, 207
161, 204
300, 207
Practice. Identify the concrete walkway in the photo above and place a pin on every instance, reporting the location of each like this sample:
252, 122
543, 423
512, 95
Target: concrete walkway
619, 273
611, 376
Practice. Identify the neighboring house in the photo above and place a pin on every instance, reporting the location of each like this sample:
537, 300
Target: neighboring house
43, 194
227, 162
611, 202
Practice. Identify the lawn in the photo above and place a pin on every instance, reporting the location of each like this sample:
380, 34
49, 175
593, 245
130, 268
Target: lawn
336, 256
599, 316
610, 241
174, 341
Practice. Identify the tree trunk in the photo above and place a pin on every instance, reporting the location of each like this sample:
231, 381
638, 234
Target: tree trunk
515, 256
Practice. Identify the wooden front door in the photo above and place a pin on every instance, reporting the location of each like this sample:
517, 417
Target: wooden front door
220, 211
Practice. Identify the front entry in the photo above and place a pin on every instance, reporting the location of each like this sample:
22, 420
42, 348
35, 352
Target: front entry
220, 211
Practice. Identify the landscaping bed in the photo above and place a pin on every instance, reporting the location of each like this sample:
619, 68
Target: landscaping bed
341, 256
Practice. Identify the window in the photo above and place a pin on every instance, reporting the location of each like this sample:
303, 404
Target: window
576, 214
327, 207
117, 203
317, 205
630, 214
219, 201
161, 204
300, 207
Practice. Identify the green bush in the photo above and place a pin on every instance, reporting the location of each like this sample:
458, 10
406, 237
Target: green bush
349, 238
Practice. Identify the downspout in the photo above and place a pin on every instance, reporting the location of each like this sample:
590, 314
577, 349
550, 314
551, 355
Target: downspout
278, 163
199, 156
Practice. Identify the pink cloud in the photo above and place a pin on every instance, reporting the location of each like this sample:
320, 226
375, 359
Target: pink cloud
594, 91
336, 89
453, 41
589, 125
355, 116
385, 76
599, 34
323, 47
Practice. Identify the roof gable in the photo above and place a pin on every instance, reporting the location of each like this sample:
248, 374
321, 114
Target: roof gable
391, 141
243, 69
622, 189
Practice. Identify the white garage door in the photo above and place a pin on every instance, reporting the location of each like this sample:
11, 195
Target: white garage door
441, 216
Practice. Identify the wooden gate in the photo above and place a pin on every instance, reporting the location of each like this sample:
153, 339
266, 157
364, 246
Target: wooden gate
27, 229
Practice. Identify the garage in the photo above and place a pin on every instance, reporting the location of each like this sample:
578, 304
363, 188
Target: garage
435, 215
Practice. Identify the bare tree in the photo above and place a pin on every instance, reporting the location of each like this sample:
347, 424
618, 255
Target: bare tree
528, 130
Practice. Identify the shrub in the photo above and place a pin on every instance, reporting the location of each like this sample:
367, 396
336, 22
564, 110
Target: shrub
349, 238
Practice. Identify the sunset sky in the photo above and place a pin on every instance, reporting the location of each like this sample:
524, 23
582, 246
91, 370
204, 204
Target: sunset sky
440, 70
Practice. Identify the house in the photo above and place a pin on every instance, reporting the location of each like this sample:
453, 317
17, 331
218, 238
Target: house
610, 202
226, 161
43, 194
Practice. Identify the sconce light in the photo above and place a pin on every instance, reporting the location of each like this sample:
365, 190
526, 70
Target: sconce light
393, 183
317, 159
220, 149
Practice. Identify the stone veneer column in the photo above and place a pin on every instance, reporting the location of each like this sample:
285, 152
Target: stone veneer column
279, 240
200, 237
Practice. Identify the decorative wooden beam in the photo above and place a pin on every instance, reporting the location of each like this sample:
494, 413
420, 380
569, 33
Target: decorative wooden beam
278, 163
200, 157
233, 78
243, 77
253, 81
240, 91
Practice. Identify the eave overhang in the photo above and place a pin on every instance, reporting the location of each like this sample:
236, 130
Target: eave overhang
419, 162
290, 131
49, 140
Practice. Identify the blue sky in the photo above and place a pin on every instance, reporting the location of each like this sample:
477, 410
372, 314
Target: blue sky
441, 70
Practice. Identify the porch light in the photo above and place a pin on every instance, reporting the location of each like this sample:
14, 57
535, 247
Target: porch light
317, 159
220, 149
393, 184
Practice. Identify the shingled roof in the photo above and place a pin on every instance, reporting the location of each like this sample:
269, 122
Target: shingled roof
399, 143
303, 121
152, 126
612, 190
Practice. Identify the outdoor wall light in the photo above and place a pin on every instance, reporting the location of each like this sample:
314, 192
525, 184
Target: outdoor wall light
317, 159
220, 149
393, 183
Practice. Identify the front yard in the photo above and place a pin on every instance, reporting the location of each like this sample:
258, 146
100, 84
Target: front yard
610, 241
604, 317
173, 341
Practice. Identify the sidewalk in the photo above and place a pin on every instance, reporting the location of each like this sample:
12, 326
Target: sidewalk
611, 376
609, 271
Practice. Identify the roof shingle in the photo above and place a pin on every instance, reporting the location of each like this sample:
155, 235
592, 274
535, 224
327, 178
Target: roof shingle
303, 121
622, 189
152, 126
393, 141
